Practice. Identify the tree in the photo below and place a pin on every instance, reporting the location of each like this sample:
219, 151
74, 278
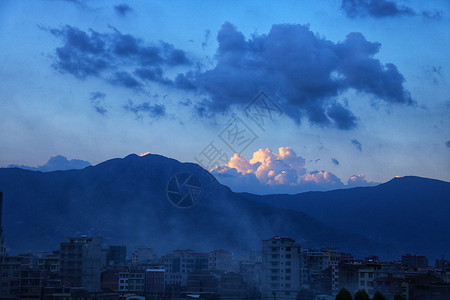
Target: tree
398, 297
379, 296
343, 295
362, 295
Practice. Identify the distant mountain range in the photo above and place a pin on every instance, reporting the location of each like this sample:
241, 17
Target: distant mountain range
56, 163
125, 202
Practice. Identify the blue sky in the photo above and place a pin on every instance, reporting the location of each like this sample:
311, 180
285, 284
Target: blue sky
362, 85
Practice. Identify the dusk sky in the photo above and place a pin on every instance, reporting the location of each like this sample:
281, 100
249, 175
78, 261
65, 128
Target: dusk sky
355, 87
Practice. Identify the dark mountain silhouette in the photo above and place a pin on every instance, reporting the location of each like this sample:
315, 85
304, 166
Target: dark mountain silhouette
125, 202
409, 213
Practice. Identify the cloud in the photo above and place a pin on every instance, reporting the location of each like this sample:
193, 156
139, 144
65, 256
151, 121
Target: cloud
375, 9
447, 143
56, 163
335, 161
304, 70
154, 74
384, 9
153, 111
122, 9
114, 56
433, 15
125, 79
206, 39
357, 144
97, 101
359, 180
271, 172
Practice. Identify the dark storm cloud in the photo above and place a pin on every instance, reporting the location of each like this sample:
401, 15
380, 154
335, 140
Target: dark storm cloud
357, 144
122, 9
97, 99
112, 55
305, 71
154, 111
335, 161
375, 9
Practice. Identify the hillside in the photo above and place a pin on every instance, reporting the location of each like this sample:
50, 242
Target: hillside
125, 202
409, 213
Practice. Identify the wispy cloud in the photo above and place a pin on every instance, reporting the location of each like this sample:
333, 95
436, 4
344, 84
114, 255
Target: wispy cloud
357, 144
122, 9
375, 8
335, 161
97, 101
153, 111
383, 9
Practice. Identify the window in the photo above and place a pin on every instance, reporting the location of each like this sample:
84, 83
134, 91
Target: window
363, 283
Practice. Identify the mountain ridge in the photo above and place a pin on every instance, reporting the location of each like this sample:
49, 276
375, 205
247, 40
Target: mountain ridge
124, 200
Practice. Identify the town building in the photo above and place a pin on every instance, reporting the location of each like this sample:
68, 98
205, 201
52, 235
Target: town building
415, 261
154, 283
81, 262
220, 260
280, 268
180, 263
116, 255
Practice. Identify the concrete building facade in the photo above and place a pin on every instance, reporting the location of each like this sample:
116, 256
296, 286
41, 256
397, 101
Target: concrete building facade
280, 268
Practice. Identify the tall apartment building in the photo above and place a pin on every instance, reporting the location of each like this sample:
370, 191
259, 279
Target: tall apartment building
10, 272
81, 261
220, 260
280, 268
180, 263
319, 269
